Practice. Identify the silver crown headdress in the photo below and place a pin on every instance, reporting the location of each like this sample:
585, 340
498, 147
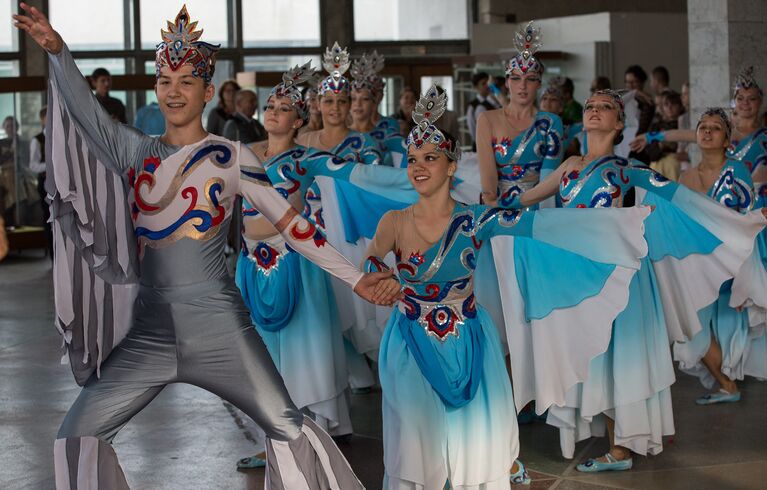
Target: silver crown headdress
721, 114
528, 42
290, 87
181, 46
365, 71
616, 96
428, 110
745, 79
336, 63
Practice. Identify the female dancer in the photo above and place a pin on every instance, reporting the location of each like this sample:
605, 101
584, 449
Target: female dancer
367, 91
290, 299
726, 349
314, 122
629, 383
516, 146
188, 321
446, 393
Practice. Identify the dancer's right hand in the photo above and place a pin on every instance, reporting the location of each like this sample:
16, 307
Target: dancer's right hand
639, 143
37, 26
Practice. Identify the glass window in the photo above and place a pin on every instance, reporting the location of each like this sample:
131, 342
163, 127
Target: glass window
9, 36
68, 17
278, 63
404, 20
280, 23
9, 68
211, 15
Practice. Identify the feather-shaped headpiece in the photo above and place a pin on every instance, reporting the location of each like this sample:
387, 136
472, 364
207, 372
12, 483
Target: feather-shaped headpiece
745, 79
181, 46
428, 110
336, 63
290, 87
527, 41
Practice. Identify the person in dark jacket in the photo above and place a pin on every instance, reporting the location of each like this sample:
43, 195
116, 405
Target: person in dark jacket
242, 127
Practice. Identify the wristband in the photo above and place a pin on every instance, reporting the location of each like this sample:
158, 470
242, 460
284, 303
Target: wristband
654, 136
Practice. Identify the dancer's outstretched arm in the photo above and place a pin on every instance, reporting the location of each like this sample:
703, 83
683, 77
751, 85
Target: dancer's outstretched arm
114, 143
303, 236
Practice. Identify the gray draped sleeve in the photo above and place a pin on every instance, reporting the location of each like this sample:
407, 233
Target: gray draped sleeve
95, 258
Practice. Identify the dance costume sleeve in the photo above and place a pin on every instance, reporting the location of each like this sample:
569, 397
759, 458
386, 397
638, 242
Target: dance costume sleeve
115, 144
302, 235
554, 148
95, 264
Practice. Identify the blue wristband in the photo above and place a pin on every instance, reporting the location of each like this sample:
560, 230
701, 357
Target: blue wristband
654, 136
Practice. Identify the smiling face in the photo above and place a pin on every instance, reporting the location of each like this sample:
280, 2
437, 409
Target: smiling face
747, 102
182, 96
429, 170
363, 105
523, 87
601, 113
334, 108
711, 134
280, 117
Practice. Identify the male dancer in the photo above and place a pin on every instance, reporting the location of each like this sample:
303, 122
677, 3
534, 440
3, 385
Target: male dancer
189, 323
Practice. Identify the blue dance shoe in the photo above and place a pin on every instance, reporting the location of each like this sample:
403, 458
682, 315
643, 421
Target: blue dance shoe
612, 464
520, 477
719, 397
250, 463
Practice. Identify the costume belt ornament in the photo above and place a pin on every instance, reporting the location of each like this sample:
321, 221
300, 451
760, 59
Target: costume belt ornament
365, 73
336, 62
181, 46
289, 87
527, 42
428, 110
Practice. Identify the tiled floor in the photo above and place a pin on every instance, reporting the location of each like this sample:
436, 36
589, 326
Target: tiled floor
187, 439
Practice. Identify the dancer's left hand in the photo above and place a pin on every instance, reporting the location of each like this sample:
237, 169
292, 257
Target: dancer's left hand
379, 288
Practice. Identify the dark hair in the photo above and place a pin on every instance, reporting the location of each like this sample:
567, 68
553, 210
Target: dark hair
223, 87
673, 97
478, 77
661, 74
638, 72
99, 72
567, 86
43, 111
407, 88
602, 83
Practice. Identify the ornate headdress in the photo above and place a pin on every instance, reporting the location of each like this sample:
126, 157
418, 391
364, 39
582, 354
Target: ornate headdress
336, 62
554, 87
745, 79
428, 109
365, 73
721, 114
180, 46
289, 87
616, 96
528, 42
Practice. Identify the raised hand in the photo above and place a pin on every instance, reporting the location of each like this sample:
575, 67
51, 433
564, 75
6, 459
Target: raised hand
37, 26
379, 288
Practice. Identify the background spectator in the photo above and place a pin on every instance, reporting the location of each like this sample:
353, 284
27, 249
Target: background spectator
572, 111
225, 108
101, 81
635, 78
660, 80
37, 166
150, 120
241, 126
600, 83
11, 148
407, 100
484, 101
449, 120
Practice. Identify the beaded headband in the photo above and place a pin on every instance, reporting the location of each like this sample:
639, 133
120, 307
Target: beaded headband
428, 110
180, 46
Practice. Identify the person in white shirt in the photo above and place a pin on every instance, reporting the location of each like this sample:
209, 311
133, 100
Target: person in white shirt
484, 101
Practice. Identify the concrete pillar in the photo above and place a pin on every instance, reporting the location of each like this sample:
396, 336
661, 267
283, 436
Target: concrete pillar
724, 37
